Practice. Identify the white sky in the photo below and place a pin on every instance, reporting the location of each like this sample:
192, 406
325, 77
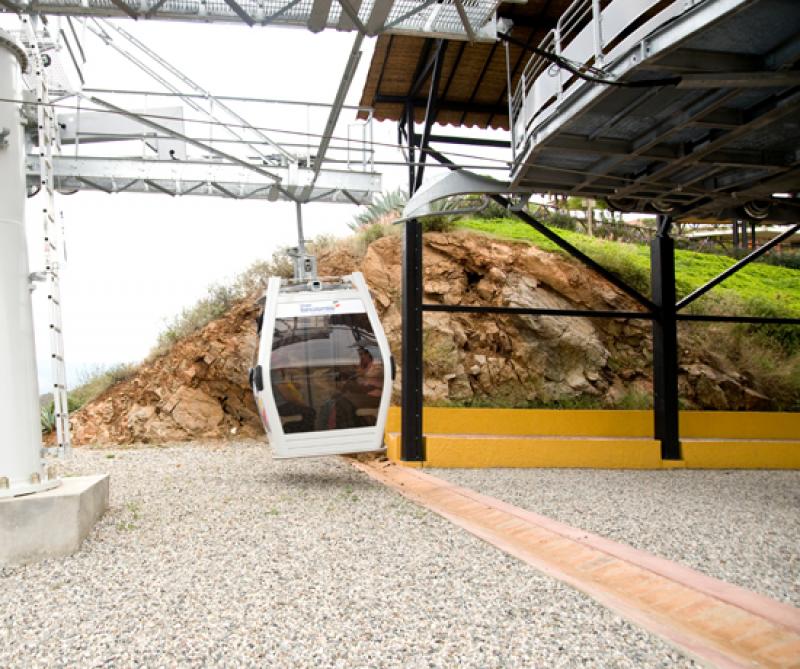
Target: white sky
135, 260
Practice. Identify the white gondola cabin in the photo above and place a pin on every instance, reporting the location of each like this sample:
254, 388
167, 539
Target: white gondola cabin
323, 374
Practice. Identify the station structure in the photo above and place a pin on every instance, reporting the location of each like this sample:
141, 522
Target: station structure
686, 110
679, 108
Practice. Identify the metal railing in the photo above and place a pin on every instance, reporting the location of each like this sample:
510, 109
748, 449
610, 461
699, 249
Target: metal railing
589, 37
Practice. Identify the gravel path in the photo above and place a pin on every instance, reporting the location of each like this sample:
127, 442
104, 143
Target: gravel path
214, 555
740, 526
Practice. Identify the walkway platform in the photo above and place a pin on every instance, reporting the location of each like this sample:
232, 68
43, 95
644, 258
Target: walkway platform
699, 123
710, 620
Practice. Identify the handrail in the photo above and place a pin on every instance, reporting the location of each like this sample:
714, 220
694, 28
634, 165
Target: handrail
588, 35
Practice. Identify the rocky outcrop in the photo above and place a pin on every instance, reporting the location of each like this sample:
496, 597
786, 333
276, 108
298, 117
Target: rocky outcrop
199, 387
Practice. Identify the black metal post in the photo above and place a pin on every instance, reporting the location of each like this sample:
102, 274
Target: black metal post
665, 341
735, 227
412, 441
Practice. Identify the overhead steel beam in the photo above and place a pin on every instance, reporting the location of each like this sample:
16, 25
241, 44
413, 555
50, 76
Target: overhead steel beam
272, 18
763, 79
619, 147
407, 15
462, 14
765, 113
126, 8
348, 19
319, 15
706, 103
150, 13
430, 110
703, 60
159, 188
378, 15
239, 11
465, 141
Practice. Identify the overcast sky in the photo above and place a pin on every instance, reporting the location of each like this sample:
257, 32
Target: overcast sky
135, 260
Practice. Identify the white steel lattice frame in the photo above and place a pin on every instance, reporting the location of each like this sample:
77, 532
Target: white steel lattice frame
48, 148
452, 19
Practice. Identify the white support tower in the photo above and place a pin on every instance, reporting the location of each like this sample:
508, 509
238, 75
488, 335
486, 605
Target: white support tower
49, 146
21, 469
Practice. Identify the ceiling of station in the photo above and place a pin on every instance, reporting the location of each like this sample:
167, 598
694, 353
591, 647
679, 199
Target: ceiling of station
473, 85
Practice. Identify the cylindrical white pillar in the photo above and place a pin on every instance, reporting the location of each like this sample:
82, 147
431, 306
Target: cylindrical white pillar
20, 433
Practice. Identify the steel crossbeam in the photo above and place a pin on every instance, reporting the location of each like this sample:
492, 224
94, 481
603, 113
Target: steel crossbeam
131, 175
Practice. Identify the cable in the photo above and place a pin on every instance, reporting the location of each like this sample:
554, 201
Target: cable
579, 70
164, 117
500, 161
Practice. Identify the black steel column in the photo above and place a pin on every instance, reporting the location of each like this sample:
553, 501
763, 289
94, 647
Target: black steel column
412, 445
413, 442
665, 341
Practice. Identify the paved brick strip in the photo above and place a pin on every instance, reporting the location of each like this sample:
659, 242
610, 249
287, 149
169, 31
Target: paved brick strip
712, 621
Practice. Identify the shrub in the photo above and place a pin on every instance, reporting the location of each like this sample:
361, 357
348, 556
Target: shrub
786, 337
219, 298
96, 380
438, 224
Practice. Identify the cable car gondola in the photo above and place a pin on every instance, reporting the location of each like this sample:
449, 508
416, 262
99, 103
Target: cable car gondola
323, 374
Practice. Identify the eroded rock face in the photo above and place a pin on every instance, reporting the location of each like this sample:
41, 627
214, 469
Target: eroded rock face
199, 388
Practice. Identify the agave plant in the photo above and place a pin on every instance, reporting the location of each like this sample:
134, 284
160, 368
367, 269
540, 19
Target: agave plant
48, 418
386, 208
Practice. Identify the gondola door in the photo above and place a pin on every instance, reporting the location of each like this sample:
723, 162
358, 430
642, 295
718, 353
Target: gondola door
323, 379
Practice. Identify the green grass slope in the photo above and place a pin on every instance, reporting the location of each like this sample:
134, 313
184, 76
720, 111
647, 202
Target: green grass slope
758, 285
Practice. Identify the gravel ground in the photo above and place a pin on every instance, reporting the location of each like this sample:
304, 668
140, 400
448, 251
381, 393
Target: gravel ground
739, 526
214, 555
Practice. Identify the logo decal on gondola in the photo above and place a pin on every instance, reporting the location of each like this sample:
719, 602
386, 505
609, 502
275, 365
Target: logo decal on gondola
311, 308
320, 308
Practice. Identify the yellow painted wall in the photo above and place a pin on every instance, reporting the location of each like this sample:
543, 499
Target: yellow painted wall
600, 439
601, 423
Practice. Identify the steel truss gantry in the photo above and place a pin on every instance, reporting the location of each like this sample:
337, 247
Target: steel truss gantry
214, 151
128, 175
454, 19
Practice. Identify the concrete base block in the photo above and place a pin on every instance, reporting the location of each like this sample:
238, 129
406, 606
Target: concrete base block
52, 523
